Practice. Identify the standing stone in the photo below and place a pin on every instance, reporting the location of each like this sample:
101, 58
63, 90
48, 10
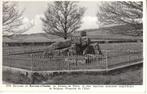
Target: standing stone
97, 49
89, 50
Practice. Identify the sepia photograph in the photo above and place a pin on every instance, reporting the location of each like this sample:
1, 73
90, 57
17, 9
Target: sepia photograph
72, 42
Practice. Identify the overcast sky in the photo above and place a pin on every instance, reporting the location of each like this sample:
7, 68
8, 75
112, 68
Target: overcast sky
35, 10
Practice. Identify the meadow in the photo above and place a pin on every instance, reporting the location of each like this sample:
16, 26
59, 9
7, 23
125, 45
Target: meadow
113, 54
128, 76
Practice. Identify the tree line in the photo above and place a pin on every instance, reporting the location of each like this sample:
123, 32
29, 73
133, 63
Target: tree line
62, 18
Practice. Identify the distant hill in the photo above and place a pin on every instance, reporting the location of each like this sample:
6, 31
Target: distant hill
125, 30
38, 37
116, 32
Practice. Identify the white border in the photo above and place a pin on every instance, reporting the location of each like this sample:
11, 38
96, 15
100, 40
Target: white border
137, 89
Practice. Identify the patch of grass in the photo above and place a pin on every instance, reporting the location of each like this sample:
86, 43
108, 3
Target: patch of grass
132, 75
127, 76
122, 46
116, 53
15, 78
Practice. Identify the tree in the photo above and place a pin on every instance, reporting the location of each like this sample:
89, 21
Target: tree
121, 12
12, 20
62, 18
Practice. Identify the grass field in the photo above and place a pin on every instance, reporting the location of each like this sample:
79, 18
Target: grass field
115, 54
127, 76
110, 46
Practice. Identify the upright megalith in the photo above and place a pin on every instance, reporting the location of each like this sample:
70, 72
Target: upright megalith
80, 45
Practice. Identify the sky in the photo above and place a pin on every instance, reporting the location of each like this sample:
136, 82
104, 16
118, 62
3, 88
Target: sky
34, 10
